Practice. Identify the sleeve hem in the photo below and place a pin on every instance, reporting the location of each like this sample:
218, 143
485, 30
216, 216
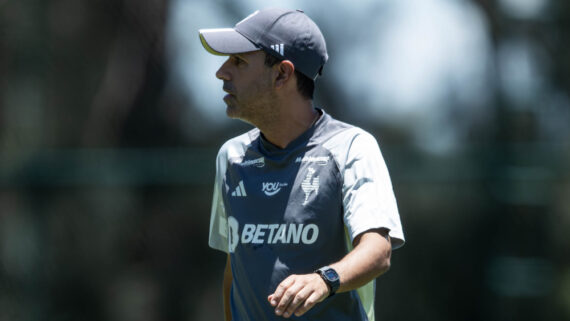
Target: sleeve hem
397, 239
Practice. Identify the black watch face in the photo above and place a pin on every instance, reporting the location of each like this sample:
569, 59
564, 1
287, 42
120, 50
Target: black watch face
331, 275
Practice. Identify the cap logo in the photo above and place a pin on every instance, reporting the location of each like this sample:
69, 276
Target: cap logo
279, 48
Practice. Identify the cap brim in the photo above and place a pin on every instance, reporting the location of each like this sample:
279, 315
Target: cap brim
225, 41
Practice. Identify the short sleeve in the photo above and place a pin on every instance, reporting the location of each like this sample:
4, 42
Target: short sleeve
368, 196
218, 236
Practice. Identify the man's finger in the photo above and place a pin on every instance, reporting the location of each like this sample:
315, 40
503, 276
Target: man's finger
297, 301
287, 297
310, 302
281, 288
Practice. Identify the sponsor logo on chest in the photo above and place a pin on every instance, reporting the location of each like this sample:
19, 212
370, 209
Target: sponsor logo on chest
319, 160
257, 162
271, 233
272, 188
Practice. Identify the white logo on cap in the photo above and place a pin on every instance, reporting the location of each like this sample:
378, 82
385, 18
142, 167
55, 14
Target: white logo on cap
280, 48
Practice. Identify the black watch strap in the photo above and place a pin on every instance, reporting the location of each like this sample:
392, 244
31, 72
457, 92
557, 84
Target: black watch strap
330, 277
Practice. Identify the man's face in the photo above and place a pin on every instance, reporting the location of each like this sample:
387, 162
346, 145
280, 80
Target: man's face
248, 82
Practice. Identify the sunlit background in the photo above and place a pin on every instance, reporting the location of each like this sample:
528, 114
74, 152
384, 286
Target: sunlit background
111, 117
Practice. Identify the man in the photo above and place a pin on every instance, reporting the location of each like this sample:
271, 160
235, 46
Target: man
303, 203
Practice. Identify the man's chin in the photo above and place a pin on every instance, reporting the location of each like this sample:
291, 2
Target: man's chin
231, 108
232, 111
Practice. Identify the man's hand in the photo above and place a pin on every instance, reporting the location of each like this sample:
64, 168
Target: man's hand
297, 294
370, 257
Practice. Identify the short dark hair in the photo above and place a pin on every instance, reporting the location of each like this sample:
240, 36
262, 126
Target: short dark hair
305, 85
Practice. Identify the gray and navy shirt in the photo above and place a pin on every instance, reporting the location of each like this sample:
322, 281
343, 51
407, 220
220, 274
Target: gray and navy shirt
288, 211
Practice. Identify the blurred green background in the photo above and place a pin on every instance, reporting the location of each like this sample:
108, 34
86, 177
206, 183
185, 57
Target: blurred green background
111, 117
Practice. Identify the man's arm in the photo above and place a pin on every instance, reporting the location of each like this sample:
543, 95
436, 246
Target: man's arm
227, 286
369, 259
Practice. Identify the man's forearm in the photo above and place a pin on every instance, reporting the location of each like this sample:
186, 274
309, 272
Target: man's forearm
369, 259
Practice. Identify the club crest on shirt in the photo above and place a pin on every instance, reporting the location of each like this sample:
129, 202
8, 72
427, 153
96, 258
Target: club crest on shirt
310, 184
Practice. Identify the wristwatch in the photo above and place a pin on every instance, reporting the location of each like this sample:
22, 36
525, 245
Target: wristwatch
330, 277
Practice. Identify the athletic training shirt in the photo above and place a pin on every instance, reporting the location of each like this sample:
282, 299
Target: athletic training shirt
288, 211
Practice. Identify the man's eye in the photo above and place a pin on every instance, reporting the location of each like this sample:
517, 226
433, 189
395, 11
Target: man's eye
238, 60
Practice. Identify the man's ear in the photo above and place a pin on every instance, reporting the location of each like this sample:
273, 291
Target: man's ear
285, 70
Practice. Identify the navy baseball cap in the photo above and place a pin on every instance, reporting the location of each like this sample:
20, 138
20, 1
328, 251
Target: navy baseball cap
286, 34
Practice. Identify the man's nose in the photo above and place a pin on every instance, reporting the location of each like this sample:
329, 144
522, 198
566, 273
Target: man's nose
223, 73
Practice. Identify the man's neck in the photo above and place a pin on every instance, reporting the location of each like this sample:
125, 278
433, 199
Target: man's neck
292, 121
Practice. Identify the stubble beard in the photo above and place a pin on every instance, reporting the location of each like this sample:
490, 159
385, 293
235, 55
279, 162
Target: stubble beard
257, 109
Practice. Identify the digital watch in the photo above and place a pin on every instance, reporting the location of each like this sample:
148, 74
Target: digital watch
330, 277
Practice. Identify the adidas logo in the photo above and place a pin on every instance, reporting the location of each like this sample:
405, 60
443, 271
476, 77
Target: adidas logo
280, 48
240, 190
